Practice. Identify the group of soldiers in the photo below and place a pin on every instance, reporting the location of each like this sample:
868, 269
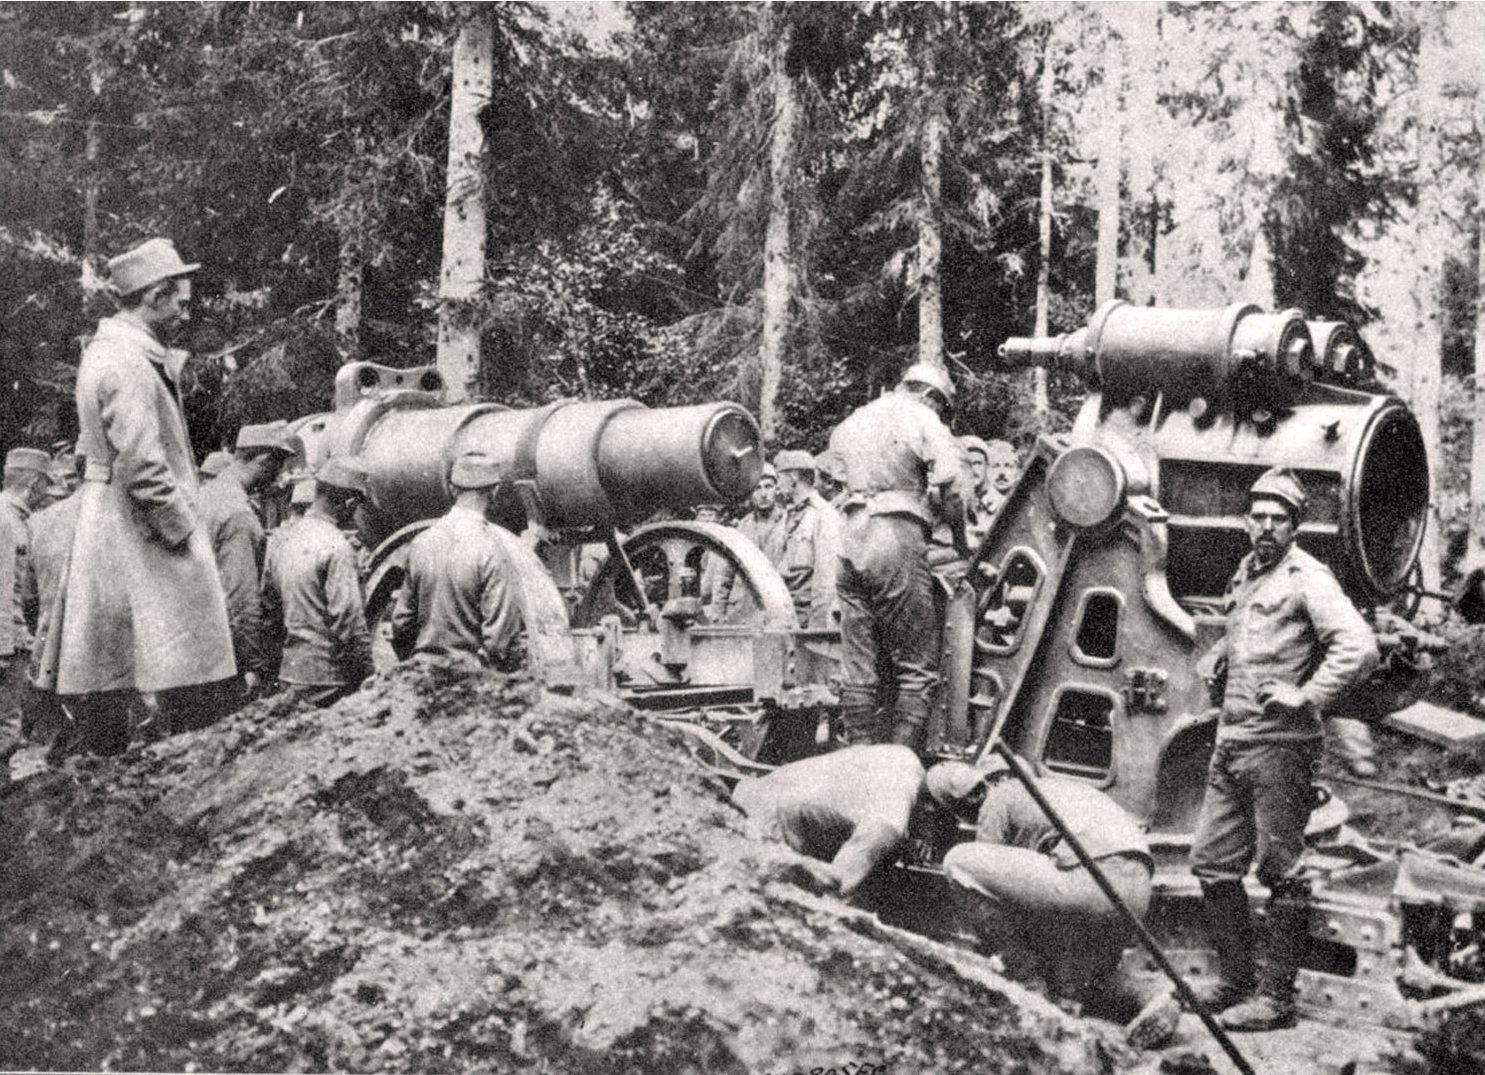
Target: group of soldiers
150, 599
143, 591
1294, 645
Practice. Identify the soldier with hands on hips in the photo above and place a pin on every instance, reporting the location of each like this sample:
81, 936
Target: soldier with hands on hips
1294, 644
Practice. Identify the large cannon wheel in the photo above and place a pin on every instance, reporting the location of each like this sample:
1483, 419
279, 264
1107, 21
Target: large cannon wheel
543, 612
664, 554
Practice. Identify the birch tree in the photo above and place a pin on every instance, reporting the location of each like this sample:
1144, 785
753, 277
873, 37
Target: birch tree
462, 275
779, 266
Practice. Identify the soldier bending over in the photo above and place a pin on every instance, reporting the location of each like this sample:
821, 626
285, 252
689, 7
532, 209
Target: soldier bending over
1026, 892
849, 808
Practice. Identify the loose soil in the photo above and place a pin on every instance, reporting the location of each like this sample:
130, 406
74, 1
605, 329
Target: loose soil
454, 871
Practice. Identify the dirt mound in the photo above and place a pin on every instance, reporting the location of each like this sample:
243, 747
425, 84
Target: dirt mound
454, 871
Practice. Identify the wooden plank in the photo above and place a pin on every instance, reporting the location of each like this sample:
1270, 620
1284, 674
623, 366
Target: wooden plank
1446, 727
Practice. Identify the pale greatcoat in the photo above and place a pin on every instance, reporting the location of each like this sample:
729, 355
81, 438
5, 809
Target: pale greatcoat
142, 607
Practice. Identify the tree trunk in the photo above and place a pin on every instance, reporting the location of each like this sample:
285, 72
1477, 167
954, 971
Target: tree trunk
930, 234
778, 253
1475, 549
1431, 109
1041, 401
463, 272
92, 175
1106, 271
1142, 114
348, 285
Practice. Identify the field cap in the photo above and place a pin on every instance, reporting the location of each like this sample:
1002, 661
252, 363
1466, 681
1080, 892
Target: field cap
347, 473
794, 459
28, 459
1281, 483
272, 435
971, 443
148, 263
475, 470
303, 490
949, 781
215, 463
830, 464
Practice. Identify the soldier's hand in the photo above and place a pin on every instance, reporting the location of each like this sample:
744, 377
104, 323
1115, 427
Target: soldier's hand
251, 683
1282, 699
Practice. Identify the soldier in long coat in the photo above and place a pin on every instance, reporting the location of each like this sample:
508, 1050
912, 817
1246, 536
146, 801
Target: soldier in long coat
142, 608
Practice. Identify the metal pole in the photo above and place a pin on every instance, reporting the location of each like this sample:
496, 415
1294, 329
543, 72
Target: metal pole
1183, 990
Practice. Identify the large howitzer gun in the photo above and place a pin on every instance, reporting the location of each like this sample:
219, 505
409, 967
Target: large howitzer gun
1102, 573
578, 477
1099, 585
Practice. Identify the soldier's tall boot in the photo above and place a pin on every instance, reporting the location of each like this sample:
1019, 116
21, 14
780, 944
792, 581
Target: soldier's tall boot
858, 716
1288, 936
1229, 925
909, 719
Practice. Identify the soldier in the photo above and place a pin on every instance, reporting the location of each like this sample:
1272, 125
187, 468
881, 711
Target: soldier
811, 541
52, 531
1029, 895
765, 524
849, 808
26, 484
982, 509
1001, 468
904, 472
312, 593
830, 474
765, 527
237, 541
1293, 645
142, 607
458, 596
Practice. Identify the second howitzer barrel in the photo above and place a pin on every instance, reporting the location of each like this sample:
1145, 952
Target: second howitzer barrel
576, 465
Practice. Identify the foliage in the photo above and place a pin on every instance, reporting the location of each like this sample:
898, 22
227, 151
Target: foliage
1334, 180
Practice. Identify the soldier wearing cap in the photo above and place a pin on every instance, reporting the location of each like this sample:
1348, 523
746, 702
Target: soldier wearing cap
312, 599
237, 540
830, 478
849, 808
905, 474
142, 608
811, 541
1294, 644
459, 596
1025, 890
765, 527
25, 489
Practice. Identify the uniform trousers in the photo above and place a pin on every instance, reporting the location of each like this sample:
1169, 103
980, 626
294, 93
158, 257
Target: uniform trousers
887, 616
1047, 919
1256, 804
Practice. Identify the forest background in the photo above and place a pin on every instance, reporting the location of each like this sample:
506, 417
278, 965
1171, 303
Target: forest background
781, 204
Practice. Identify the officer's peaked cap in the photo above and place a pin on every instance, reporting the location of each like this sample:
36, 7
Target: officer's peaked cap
970, 443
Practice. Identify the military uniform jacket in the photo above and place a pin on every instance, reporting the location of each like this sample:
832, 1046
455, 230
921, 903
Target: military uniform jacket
1290, 623
1011, 817
52, 529
15, 541
311, 588
237, 544
142, 606
895, 450
458, 597
811, 559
